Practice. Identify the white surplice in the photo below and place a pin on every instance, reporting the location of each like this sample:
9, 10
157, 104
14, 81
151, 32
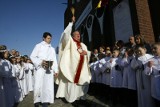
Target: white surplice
44, 82
30, 76
105, 70
17, 91
20, 76
115, 75
143, 81
154, 72
24, 80
129, 75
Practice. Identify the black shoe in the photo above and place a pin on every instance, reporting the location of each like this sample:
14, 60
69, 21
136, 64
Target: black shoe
44, 104
16, 105
36, 105
83, 103
75, 103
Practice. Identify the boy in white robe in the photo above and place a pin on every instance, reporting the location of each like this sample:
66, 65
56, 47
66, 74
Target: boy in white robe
93, 68
115, 76
153, 69
43, 57
98, 73
143, 81
104, 70
105, 77
129, 79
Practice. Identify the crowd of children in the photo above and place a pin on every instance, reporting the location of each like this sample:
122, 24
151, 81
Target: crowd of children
130, 72
16, 77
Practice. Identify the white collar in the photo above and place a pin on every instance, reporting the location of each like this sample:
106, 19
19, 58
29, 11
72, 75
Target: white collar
145, 58
44, 43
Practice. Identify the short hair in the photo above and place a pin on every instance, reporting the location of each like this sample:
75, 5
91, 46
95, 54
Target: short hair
140, 46
74, 32
45, 34
157, 43
116, 49
120, 42
102, 47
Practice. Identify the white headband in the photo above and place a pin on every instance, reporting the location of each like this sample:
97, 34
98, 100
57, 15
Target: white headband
3, 50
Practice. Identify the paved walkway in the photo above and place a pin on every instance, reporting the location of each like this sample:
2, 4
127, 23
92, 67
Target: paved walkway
98, 100
91, 101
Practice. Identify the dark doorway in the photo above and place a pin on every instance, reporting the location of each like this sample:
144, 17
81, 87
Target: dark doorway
154, 6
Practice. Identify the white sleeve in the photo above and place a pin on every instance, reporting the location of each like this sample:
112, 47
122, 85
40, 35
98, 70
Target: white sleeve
103, 61
124, 62
21, 73
88, 55
13, 71
148, 70
155, 71
31, 66
35, 58
69, 28
55, 65
17, 70
135, 64
26, 66
66, 35
113, 63
2, 71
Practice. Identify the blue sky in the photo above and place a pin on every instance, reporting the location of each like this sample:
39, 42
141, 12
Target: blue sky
23, 22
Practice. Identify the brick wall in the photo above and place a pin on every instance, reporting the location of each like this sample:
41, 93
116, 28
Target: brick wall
144, 20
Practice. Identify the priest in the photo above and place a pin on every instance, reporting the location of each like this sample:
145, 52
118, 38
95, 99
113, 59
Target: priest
74, 73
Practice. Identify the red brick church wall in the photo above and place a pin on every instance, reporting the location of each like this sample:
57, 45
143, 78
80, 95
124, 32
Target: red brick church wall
144, 20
